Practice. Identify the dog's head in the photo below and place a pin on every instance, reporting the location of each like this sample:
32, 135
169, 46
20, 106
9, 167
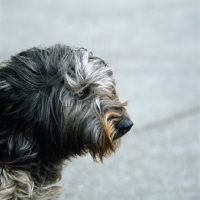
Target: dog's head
56, 103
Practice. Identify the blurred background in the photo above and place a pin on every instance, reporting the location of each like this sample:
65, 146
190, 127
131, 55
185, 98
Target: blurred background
154, 48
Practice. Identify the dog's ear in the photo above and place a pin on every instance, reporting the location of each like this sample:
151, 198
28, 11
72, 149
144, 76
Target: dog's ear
31, 93
16, 141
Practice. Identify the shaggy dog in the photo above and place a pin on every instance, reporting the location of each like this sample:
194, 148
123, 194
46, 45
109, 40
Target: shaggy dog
55, 103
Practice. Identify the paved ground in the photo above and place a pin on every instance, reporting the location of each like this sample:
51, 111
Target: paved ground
154, 47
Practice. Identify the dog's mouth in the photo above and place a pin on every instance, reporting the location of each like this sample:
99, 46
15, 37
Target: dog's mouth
123, 127
119, 125
115, 125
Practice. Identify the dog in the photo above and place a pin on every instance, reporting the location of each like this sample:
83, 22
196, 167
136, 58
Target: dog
56, 103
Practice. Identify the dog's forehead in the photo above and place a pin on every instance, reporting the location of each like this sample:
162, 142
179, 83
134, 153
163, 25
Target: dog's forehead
82, 62
84, 68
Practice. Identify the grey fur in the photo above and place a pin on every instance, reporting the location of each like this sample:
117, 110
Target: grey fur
55, 103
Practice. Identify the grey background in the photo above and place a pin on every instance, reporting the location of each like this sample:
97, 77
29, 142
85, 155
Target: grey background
154, 48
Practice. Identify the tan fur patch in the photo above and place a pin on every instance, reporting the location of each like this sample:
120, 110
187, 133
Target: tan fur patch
108, 146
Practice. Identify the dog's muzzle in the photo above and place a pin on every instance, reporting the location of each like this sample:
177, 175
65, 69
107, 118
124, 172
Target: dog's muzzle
123, 127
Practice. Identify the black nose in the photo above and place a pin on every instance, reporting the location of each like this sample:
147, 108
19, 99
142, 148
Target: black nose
125, 125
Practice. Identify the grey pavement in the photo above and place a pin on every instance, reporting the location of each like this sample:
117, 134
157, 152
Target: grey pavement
154, 48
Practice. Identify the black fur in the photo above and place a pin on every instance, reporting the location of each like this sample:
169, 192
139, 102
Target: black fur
52, 108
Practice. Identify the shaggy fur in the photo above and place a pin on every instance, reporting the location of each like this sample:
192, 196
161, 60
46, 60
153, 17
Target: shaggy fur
55, 103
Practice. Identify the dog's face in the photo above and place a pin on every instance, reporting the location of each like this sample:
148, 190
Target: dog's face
59, 102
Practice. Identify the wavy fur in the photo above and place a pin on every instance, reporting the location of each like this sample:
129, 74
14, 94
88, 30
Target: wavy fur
55, 103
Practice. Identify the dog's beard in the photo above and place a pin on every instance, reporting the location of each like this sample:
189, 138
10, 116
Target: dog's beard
94, 128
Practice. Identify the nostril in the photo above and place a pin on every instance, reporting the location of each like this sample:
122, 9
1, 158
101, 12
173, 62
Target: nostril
125, 126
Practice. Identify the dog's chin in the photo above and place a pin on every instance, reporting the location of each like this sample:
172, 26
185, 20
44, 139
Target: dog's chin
123, 127
121, 133
118, 135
